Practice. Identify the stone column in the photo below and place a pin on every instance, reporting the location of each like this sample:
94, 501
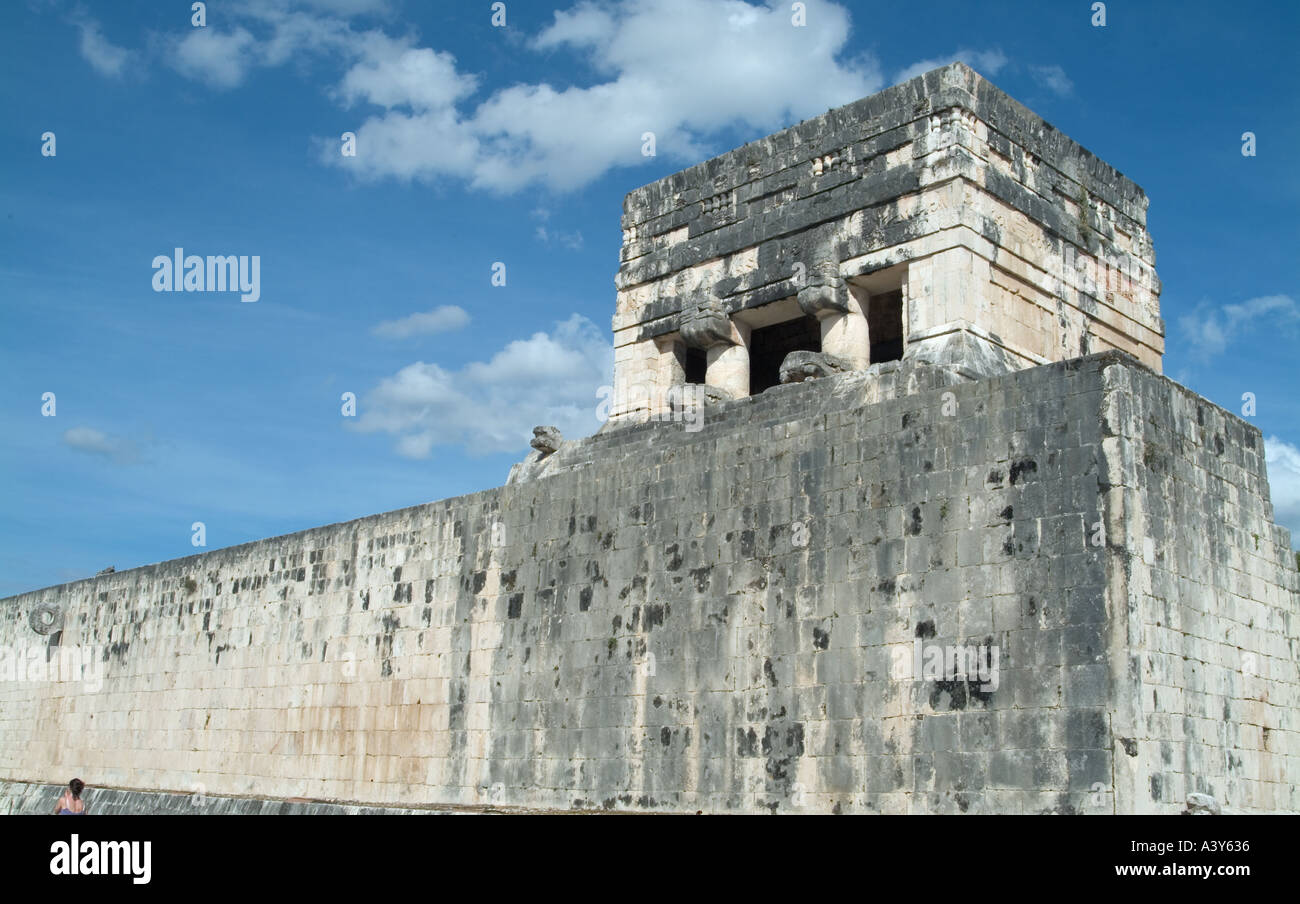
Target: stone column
846, 333
726, 345
840, 312
729, 363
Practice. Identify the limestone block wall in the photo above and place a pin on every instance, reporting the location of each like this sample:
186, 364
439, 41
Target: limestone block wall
1205, 639
1001, 229
727, 618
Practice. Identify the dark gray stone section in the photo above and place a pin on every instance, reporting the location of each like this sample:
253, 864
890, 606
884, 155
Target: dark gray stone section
31, 799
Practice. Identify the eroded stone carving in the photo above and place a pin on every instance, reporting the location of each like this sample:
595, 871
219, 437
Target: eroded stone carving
825, 293
800, 366
546, 439
546, 442
46, 618
1202, 805
706, 325
691, 396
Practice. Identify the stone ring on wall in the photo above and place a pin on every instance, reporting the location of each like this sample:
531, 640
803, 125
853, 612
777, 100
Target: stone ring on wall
46, 618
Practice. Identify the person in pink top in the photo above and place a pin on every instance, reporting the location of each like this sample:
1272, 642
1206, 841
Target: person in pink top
70, 802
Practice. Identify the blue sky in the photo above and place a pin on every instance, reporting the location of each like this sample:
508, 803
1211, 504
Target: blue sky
515, 144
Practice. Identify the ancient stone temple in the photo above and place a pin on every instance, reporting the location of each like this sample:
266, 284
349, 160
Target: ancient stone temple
893, 512
938, 221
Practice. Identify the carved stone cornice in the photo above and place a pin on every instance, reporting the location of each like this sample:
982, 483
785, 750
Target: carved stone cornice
706, 325
825, 293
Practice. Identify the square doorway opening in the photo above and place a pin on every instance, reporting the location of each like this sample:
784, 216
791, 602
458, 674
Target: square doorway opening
769, 345
695, 364
885, 326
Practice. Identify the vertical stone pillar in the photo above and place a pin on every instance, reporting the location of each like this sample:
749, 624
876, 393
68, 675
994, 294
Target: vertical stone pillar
729, 363
726, 344
841, 315
846, 333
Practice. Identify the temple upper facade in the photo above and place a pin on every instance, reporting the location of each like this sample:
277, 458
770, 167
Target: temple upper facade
938, 220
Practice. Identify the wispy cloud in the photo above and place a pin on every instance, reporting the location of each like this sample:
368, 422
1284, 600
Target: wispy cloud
571, 240
548, 235
266, 33
118, 449
1208, 330
439, 320
1054, 79
106, 57
217, 57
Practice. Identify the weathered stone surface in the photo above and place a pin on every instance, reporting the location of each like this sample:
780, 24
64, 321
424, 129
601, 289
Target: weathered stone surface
705, 325
693, 396
800, 366
991, 223
47, 618
546, 442
21, 798
728, 620
825, 292
546, 439
962, 353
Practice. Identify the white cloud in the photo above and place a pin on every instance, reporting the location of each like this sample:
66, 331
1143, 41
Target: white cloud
492, 406
221, 59
570, 240
96, 442
586, 25
392, 73
1283, 460
439, 320
1207, 331
683, 70
551, 236
985, 62
105, 56
679, 69
1055, 79
295, 32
